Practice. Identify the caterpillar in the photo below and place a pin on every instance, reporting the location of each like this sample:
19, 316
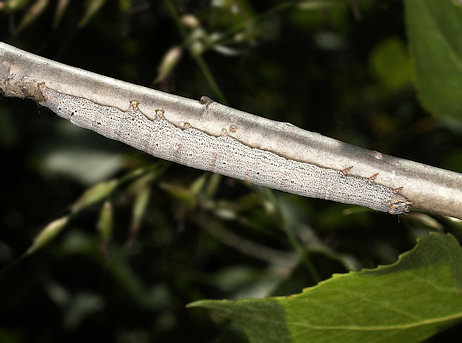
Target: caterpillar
221, 154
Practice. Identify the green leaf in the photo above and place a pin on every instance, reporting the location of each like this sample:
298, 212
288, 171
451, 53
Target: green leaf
87, 166
47, 234
407, 301
94, 194
168, 64
32, 14
197, 186
61, 8
390, 64
93, 6
139, 210
434, 30
318, 5
184, 195
105, 223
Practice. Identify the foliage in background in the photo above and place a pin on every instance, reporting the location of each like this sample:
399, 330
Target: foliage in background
140, 243
433, 29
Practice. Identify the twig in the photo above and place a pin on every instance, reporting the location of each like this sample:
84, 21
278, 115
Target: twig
207, 135
197, 57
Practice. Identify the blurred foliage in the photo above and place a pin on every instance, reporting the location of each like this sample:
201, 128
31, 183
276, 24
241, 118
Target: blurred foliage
126, 273
434, 29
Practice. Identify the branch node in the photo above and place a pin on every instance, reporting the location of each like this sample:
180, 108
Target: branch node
205, 100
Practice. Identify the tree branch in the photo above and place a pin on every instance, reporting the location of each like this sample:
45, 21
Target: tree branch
210, 136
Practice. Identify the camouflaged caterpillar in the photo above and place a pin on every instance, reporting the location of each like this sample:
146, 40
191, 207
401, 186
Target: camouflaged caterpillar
221, 154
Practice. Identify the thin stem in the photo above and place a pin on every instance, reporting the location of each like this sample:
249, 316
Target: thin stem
197, 57
304, 257
237, 28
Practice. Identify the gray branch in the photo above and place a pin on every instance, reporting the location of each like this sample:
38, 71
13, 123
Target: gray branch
207, 135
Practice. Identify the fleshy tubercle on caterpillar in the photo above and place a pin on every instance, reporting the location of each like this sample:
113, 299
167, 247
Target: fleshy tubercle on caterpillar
221, 154
398, 203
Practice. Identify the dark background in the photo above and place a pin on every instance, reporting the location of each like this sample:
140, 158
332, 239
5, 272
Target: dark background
342, 71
